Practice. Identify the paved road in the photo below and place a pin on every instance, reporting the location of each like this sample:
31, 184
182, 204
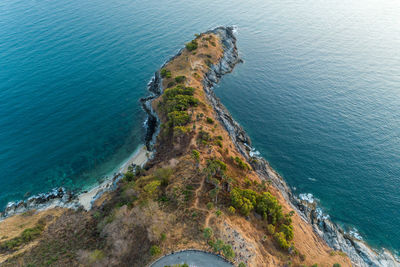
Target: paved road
193, 259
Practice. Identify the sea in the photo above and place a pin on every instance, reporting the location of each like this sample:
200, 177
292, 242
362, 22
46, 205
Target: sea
318, 93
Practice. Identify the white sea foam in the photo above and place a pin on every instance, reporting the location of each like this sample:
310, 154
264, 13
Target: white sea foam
307, 197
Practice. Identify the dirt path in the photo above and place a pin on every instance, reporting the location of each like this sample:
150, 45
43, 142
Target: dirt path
196, 202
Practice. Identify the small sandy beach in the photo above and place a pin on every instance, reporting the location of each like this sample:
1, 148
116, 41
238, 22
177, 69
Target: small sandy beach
140, 157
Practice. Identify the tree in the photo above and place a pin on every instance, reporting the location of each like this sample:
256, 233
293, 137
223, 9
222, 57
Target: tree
232, 210
129, 176
180, 79
218, 245
155, 250
192, 45
228, 251
208, 233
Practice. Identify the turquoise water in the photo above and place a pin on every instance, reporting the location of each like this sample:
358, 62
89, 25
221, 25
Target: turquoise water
319, 93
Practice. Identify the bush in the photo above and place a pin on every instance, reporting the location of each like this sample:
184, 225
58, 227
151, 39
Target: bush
129, 176
218, 213
218, 245
210, 205
281, 240
242, 264
163, 174
26, 236
203, 137
208, 233
241, 164
232, 210
180, 79
270, 229
165, 73
170, 84
244, 200
268, 207
192, 45
178, 118
228, 251
152, 187
155, 250
180, 131
163, 237
209, 120
287, 230
96, 255
336, 265
196, 155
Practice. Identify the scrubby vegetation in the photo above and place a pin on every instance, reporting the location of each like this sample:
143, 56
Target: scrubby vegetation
247, 200
180, 79
25, 237
192, 45
165, 73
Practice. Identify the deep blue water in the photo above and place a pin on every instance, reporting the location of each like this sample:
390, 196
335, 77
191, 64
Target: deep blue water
319, 93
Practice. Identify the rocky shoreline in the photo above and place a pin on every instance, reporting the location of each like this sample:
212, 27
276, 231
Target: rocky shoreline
359, 253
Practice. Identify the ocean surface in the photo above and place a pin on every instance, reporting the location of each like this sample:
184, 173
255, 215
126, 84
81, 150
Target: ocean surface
318, 92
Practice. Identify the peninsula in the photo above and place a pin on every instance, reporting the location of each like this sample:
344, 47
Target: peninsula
201, 189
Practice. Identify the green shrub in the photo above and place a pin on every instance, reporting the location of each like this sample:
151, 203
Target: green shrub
218, 213
232, 210
228, 251
25, 237
270, 229
203, 137
129, 176
268, 207
336, 265
241, 164
155, 250
287, 230
208, 233
210, 205
192, 45
165, 73
163, 174
180, 79
170, 84
242, 264
178, 118
163, 237
196, 155
244, 200
95, 256
209, 120
281, 240
152, 187
180, 131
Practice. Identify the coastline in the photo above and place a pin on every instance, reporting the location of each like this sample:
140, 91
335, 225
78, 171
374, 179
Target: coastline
336, 238
139, 157
62, 198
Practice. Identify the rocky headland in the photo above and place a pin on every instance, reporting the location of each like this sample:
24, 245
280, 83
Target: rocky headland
201, 188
